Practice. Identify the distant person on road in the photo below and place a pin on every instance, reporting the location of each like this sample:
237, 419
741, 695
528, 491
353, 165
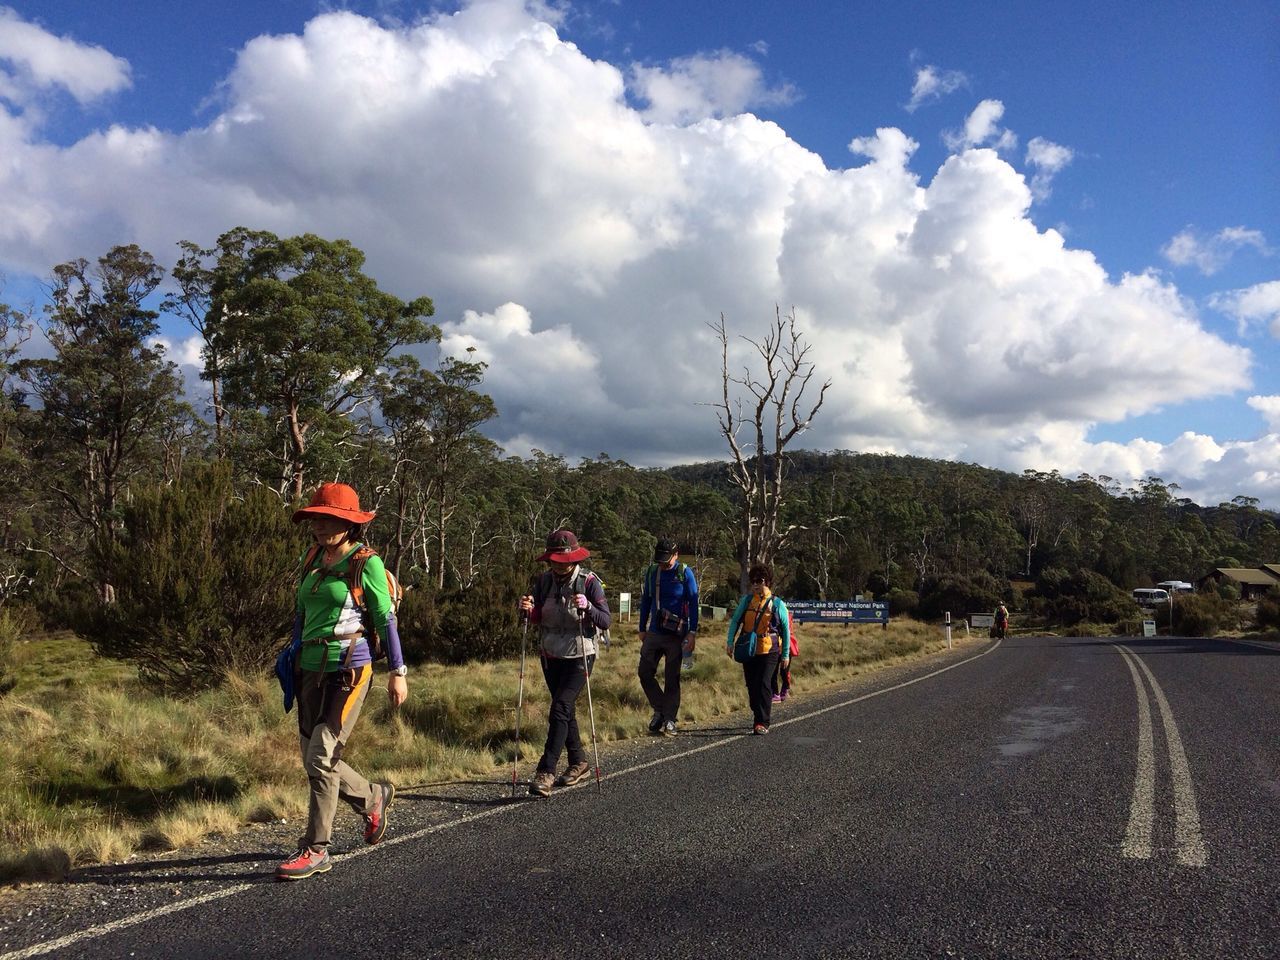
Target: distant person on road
781, 684
759, 638
335, 671
569, 606
1001, 626
668, 630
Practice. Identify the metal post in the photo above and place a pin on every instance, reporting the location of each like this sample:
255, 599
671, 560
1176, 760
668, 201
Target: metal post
948, 629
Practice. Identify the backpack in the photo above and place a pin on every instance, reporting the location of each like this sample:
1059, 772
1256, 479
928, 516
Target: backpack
651, 585
546, 580
355, 583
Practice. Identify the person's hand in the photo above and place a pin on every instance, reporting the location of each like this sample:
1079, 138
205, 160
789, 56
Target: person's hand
581, 601
397, 690
728, 649
786, 662
526, 605
690, 641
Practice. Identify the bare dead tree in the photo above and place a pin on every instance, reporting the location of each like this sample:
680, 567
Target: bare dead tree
765, 404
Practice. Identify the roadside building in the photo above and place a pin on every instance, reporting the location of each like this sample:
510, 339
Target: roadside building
1252, 582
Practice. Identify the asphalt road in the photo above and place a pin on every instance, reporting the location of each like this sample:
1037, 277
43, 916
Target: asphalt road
1041, 797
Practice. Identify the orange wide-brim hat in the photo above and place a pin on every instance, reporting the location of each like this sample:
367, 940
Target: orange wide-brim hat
334, 500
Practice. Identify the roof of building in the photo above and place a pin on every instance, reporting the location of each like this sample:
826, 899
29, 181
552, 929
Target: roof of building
1254, 575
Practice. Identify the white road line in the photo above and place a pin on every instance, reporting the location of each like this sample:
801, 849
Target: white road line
124, 923
1191, 848
1186, 829
1142, 814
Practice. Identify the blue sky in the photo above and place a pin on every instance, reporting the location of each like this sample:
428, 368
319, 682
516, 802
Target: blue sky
1061, 254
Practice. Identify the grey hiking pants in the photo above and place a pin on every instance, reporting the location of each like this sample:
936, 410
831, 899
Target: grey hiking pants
327, 711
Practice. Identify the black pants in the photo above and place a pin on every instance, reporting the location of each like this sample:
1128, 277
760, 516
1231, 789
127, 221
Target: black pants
665, 699
758, 672
565, 679
781, 682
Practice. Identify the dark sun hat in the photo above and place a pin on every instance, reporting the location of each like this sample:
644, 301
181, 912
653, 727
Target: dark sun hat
562, 547
334, 500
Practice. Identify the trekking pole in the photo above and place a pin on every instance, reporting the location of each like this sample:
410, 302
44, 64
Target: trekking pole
591, 710
524, 643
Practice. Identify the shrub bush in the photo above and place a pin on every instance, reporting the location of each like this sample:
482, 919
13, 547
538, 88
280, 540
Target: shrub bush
976, 593
1268, 614
902, 603
203, 579
1203, 614
1071, 597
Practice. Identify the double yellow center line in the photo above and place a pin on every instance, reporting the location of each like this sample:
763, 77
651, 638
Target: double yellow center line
1189, 843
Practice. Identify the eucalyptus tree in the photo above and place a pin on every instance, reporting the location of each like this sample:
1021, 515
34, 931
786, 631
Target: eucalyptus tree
767, 404
301, 335
107, 393
434, 418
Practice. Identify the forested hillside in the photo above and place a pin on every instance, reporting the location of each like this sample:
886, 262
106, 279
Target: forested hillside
148, 524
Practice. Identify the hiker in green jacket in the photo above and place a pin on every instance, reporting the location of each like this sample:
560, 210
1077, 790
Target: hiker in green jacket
335, 671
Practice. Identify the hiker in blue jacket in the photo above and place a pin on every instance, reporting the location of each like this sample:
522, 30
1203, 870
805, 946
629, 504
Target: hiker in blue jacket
668, 628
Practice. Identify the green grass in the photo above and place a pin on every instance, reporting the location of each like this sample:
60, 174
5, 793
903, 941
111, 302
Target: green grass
94, 767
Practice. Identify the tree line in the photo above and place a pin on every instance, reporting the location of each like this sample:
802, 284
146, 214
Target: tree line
161, 531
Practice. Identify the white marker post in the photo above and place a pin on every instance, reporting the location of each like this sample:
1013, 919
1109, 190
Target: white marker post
948, 629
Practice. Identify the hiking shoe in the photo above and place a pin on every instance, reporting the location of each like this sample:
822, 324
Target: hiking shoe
541, 784
785, 694
375, 821
669, 728
572, 775
303, 864
777, 698
655, 722
759, 729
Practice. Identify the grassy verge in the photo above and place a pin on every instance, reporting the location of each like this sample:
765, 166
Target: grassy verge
94, 768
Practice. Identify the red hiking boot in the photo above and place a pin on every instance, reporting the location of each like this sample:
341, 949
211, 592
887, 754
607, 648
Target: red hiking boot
375, 821
303, 864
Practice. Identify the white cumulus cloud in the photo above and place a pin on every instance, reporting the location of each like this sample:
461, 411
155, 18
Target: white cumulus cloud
1047, 159
1210, 254
933, 84
579, 244
1269, 407
33, 59
1259, 304
693, 88
982, 128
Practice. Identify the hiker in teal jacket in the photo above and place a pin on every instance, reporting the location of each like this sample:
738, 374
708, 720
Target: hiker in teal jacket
335, 671
759, 638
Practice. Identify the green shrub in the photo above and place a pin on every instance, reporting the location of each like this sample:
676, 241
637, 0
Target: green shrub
203, 577
1203, 614
902, 603
1268, 615
1075, 596
9, 636
976, 593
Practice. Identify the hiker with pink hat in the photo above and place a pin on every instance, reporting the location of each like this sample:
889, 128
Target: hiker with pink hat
569, 607
343, 608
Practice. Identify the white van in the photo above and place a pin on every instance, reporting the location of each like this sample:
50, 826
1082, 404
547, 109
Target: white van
1176, 586
1150, 596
